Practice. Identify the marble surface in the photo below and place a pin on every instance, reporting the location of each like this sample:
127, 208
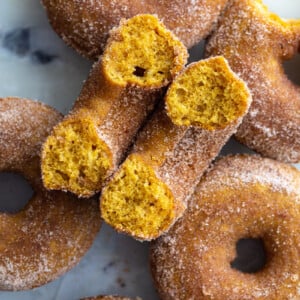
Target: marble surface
36, 64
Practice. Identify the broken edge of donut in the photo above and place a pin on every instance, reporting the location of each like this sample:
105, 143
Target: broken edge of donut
143, 52
207, 94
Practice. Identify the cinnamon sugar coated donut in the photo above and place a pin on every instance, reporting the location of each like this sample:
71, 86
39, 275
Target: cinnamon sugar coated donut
140, 59
54, 230
240, 197
150, 190
256, 42
85, 24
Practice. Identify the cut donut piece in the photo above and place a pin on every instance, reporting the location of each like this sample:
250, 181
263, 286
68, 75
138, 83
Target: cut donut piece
141, 58
207, 95
150, 190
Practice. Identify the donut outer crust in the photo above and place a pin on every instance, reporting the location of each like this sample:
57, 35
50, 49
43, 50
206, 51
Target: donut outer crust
239, 197
256, 42
85, 25
54, 230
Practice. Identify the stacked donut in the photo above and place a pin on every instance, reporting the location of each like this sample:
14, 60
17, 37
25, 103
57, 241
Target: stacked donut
144, 131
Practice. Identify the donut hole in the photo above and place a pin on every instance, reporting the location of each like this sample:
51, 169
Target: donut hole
15, 192
291, 68
251, 255
208, 94
142, 52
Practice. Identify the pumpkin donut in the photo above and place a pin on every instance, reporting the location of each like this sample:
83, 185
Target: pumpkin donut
204, 106
256, 42
54, 230
85, 25
140, 59
240, 197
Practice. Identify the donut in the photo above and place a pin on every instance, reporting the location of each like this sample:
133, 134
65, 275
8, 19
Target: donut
85, 25
241, 196
256, 42
54, 230
140, 59
150, 190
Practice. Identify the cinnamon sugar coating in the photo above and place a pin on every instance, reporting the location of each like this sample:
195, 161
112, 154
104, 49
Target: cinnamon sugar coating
150, 190
140, 59
54, 230
239, 197
256, 42
85, 24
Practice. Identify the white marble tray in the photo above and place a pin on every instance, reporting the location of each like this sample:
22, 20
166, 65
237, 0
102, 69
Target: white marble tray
43, 68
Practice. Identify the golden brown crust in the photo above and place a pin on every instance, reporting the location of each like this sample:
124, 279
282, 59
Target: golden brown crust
54, 230
239, 197
85, 24
256, 42
19, 142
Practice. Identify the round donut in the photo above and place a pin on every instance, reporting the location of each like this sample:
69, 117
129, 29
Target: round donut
240, 197
84, 25
55, 229
255, 43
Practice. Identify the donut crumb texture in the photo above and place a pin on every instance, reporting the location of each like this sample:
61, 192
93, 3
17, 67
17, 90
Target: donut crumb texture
75, 159
207, 94
143, 52
136, 200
